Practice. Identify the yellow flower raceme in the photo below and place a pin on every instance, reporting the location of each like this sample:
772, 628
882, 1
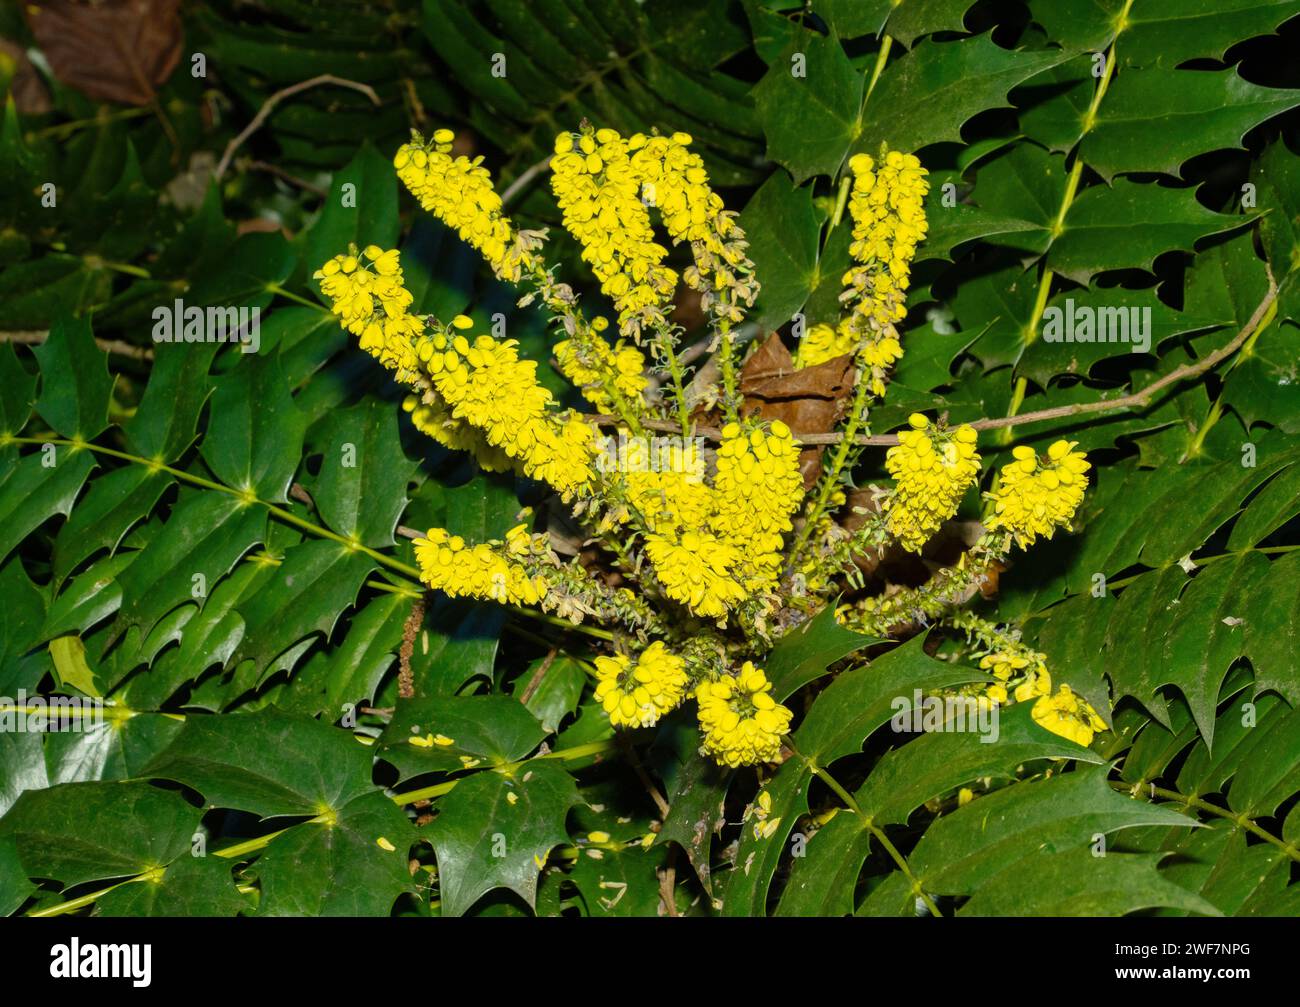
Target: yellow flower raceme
674, 181
487, 570
1068, 715
367, 293
932, 470
1035, 496
1025, 672
637, 694
822, 343
742, 723
887, 207
434, 419
757, 489
623, 364
697, 570
488, 386
599, 195
665, 483
459, 192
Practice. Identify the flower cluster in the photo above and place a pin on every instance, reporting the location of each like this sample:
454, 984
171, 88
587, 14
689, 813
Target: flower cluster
367, 293
459, 192
757, 489
637, 693
1069, 716
698, 555
932, 468
589, 364
1035, 496
599, 194
742, 723
489, 387
487, 570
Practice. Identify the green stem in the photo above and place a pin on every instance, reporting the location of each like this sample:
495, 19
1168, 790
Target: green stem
275, 288
870, 826
1241, 821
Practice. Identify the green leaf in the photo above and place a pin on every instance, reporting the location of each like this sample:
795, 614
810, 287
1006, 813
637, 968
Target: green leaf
1273, 628
137, 827
910, 19
782, 226
1077, 883
254, 441
484, 840
33, 491
926, 95
316, 769
556, 693
114, 504
340, 867
189, 886
965, 850
253, 264
203, 538
21, 618
17, 393
163, 427
361, 490
309, 590
481, 729
366, 216
808, 104
1155, 119
75, 383
805, 653
1127, 225
14, 886
695, 812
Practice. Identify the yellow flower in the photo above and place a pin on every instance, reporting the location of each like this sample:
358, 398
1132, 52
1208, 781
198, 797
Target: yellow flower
757, 489
1069, 716
697, 571
887, 204
623, 364
449, 564
489, 387
434, 419
674, 181
1035, 496
459, 192
637, 694
742, 723
368, 295
822, 343
932, 470
1026, 671
665, 483
599, 196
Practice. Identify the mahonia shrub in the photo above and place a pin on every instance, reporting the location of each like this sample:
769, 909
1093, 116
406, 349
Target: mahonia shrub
709, 564
815, 459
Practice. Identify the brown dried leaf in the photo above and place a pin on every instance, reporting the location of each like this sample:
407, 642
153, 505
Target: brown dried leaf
110, 50
808, 401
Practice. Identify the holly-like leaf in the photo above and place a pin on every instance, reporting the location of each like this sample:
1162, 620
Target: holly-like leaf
496, 831
75, 383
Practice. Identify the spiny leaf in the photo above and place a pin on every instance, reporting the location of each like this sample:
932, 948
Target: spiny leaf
75, 383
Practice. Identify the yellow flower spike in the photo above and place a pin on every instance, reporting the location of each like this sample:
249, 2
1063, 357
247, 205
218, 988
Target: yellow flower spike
822, 343
637, 694
1035, 496
697, 571
932, 470
625, 363
459, 192
757, 489
741, 723
449, 564
599, 194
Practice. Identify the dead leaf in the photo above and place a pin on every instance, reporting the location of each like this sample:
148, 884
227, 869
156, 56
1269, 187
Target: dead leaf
31, 96
808, 401
110, 50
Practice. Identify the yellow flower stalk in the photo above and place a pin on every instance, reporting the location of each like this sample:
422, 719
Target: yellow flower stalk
487, 570
742, 723
637, 693
1035, 496
932, 470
